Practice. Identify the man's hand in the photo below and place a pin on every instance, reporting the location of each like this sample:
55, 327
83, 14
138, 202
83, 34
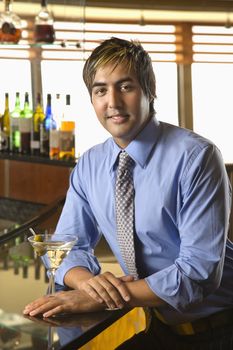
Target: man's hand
73, 301
107, 289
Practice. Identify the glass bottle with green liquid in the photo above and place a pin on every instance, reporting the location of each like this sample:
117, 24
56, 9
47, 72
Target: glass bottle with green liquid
14, 126
5, 132
25, 126
38, 118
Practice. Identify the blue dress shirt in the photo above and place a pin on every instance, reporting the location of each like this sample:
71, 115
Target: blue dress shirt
182, 208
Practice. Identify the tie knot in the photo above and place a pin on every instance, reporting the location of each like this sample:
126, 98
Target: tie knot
125, 161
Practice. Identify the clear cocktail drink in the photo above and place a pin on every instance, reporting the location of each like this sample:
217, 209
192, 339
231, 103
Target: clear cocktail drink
53, 248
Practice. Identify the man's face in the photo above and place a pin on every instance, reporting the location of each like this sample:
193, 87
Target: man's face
119, 103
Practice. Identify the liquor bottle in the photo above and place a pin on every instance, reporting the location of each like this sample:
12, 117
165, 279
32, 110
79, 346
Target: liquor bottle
49, 121
67, 109
54, 130
45, 127
10, 25
1, 131
44, 30
58, 110
54, 144
6, 125
25, 126
38, 118
1, 138
66, 134
14, 126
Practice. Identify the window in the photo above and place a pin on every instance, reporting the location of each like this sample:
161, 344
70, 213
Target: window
166, 89
213, 106
212, 76
15, 77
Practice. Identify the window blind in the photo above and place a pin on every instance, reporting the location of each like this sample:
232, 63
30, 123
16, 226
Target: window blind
175, 42
212, 44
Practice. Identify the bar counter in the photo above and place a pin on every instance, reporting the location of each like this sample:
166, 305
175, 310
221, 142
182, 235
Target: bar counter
23, 278
34, 333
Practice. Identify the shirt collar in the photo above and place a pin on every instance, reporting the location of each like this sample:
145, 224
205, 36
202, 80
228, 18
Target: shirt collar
140, 148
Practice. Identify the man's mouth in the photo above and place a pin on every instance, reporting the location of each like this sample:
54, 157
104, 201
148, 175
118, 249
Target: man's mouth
118, 117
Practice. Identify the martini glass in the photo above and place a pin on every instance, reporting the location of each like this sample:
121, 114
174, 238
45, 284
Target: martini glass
53, 248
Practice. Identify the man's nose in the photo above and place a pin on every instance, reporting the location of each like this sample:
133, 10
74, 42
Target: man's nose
114, 100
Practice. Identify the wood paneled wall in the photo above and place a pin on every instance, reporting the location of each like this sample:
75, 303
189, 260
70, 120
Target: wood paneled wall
34, 182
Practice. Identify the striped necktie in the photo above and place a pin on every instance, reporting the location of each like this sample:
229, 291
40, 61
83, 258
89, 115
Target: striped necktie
125, 212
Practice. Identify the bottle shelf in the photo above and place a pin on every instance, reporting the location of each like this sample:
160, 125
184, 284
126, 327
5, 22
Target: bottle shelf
37, 159
24, 44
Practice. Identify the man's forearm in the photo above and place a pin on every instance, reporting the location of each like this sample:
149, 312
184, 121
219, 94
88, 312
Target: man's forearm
142, 295
139, 291
76, 275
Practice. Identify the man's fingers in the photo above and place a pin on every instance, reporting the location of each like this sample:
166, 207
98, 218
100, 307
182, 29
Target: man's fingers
119, 285
56, 310
33, 305
92, 292
61, 302
109, 288
105, 291
127, 278
40, 306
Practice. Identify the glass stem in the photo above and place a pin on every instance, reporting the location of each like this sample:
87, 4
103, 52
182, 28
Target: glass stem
8, 6
51, 338
51, 287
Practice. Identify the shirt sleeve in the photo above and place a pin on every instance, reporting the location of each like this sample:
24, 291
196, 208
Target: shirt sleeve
203, 210
77, 219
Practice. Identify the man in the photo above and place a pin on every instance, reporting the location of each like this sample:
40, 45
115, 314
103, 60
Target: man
184, 271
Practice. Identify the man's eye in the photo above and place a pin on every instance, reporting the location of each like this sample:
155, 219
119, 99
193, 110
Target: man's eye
126, 87
99, 92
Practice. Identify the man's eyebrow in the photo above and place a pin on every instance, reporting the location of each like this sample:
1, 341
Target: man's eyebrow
124, 80
120, 81
98, 83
